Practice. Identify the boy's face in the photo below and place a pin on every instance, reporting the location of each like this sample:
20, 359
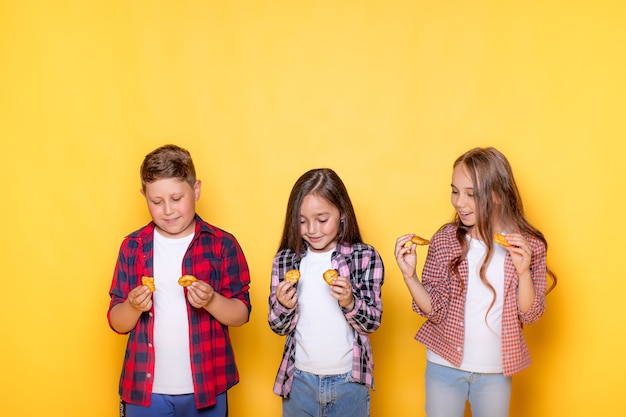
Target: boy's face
172, 206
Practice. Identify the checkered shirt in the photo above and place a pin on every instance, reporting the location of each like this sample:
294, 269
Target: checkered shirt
213, 256
364, 266
443, 332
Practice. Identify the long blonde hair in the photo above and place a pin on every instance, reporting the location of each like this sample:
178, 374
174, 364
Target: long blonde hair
495, 195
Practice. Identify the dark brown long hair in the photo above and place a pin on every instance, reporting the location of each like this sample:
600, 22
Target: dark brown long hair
495, 195
324, 183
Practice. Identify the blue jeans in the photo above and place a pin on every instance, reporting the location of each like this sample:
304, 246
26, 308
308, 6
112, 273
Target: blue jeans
177, 406
326, 396
448, 389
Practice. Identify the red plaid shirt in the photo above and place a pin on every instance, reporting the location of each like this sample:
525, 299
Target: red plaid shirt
214, 256
443, 332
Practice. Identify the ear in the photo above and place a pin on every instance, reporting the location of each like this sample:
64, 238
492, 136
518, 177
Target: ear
196, 189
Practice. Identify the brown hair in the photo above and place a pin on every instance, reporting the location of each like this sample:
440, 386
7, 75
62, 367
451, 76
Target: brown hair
495, 195
168, 161
324, 183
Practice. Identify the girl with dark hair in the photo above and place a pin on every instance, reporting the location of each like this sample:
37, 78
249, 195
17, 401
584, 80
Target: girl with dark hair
475, 293
327, 361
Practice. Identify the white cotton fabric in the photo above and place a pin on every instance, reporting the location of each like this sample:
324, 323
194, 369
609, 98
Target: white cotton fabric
324, 339
172, 371
482, 348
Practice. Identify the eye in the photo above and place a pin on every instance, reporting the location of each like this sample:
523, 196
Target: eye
323, 220
156, 203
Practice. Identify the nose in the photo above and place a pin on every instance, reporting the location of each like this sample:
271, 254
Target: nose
461, 200
311, 228
168, 208
458, 202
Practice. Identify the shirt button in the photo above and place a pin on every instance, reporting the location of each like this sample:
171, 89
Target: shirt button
148, 375
150, 345
458, 349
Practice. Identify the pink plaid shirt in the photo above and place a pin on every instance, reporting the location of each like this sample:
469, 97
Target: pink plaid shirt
364, 266
443, 332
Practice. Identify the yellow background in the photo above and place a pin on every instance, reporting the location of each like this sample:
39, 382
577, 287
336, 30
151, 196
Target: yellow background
388, 93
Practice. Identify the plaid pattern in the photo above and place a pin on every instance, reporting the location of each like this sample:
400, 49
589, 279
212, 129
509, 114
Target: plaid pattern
365, 268
443, 332
214, 256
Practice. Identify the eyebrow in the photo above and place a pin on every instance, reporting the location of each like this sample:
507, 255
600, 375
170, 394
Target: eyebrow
466, 188
324, 213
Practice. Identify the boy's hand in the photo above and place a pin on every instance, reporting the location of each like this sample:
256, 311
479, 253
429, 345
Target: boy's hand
200, 294
140, 298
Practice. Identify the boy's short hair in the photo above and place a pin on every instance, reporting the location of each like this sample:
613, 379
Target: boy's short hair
167, 161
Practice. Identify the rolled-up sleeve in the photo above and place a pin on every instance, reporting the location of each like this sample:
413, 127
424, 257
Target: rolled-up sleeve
282, 320
366, 315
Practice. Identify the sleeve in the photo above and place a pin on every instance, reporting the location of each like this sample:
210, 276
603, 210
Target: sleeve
538, 271
281, 320
366, 315
120, 284
235, 275
436, 280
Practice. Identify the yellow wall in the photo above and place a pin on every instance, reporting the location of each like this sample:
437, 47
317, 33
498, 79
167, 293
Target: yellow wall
387, 93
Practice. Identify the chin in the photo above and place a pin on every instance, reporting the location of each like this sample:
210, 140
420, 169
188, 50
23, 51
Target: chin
468, 223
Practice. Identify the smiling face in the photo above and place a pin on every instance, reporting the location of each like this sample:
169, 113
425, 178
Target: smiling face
172, 206
462, 197
319, 223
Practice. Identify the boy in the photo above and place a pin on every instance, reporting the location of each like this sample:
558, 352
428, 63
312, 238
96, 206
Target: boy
179, 360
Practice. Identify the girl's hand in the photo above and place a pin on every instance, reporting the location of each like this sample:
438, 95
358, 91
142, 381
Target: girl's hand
406, 256
286, 294
520, 252
342, 291
200, 294
140, 298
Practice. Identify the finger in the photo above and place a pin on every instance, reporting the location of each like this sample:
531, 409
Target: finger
401, 245
282, 286
404, 238
201, 292
287, 291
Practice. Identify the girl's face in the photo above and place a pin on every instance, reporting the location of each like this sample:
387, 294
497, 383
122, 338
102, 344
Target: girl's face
319, 223
463, 195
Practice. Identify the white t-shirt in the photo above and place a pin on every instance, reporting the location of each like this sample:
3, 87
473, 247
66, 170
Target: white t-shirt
482, 348
172, 372
324, 339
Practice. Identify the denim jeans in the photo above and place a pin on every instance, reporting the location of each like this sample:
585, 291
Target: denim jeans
448, 389
178, 406
326, 396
